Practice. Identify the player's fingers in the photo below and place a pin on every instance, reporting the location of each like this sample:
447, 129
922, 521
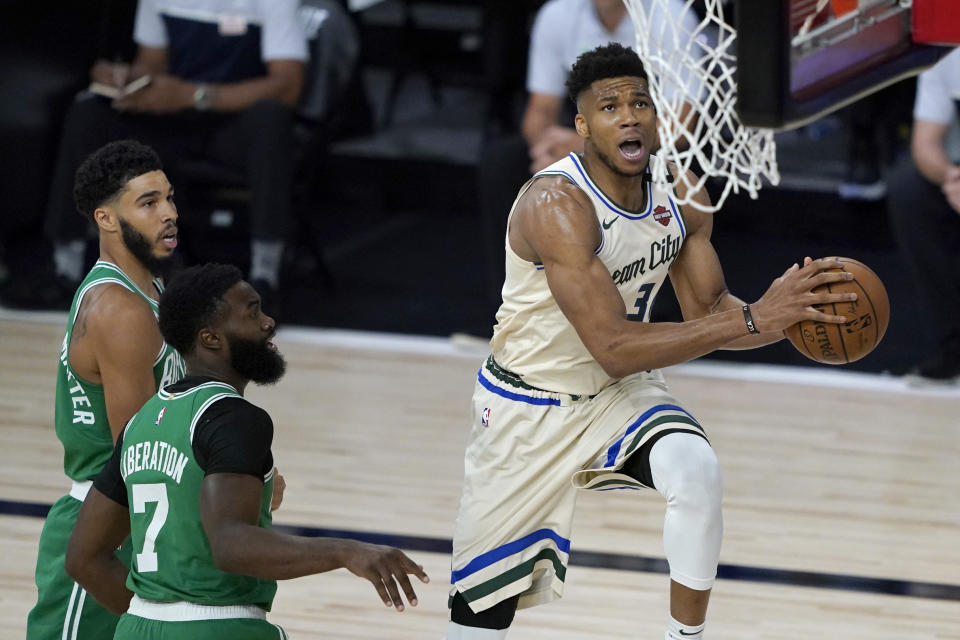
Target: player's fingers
409, 566
391, 585
821, 264
811, 268
819, 313
831, 298
417, 570
829, 318
377, 583
789, 270
825, 277
407, 588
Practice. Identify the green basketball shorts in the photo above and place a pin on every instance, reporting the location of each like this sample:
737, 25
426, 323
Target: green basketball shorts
64, 611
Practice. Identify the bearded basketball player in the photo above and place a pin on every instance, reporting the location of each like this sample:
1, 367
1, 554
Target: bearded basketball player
111, 361
191, 482
572, 390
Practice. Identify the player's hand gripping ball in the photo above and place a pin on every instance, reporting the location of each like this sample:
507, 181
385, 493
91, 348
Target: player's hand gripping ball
867, 319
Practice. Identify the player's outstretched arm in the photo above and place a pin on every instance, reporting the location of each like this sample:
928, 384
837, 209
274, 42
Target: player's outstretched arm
555, 225
102, 525
385, 568
230, 507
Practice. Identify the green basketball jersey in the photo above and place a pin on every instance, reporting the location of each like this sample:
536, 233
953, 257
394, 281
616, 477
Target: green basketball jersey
172, 560
80, 412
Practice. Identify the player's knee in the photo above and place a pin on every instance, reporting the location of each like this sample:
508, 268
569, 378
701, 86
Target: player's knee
700, 503
686, 471
499, 616
699, 487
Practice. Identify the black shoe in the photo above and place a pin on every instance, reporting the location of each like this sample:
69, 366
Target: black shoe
44, 290
943, 367
269, 298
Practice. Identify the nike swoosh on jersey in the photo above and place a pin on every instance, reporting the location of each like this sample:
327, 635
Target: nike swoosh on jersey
607, 225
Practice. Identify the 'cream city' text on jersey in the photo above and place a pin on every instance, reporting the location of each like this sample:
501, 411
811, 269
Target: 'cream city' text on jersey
533, 338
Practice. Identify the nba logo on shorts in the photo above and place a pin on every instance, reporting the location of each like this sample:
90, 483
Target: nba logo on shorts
485, 417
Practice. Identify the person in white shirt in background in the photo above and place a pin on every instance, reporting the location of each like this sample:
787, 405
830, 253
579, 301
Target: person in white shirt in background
924, 210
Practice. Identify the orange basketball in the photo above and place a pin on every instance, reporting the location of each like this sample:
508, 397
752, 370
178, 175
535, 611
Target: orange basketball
867, 319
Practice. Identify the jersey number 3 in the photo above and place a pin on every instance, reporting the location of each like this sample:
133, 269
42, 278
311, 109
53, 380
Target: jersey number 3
641, 303
142, 494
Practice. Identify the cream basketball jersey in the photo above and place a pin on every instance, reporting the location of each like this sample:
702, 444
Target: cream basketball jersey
533, 338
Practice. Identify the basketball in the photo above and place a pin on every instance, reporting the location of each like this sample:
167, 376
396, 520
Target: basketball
867, 319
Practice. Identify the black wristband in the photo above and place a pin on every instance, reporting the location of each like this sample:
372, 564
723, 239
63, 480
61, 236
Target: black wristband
748, 318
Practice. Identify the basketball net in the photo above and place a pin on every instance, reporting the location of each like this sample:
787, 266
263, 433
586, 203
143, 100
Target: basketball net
697, 68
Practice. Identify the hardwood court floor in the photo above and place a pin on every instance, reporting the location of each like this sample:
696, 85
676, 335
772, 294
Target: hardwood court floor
854, 476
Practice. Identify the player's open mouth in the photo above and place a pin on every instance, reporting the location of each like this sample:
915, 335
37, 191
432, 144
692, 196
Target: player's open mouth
631, 149
271, 346
169, 238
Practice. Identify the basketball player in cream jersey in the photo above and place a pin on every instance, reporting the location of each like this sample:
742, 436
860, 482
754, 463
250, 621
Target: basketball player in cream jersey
572, 389
113, 359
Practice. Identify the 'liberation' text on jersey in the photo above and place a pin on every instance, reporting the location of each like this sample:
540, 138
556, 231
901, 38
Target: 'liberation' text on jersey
153, 456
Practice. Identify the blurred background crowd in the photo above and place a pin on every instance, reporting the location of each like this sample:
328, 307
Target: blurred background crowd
356, 158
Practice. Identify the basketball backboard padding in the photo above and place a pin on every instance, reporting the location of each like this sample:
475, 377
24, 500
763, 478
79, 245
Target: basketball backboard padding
936, 22
785, 80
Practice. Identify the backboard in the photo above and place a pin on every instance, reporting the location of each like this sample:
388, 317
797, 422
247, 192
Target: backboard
798, 60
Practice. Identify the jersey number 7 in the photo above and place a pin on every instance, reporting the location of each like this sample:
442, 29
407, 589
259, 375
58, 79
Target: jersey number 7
142, 494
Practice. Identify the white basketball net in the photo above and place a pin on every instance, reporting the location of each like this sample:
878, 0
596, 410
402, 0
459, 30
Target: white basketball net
692, 62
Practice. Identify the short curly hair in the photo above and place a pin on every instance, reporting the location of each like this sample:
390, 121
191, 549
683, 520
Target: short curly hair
611, 60
192, 301
105, 172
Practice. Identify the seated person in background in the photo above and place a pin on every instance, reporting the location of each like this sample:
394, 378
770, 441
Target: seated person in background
223, 84
562, 30
924, 210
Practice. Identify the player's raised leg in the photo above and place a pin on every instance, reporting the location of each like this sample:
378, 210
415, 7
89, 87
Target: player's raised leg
684, 469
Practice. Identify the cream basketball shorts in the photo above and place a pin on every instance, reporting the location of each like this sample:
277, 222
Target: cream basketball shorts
528, 452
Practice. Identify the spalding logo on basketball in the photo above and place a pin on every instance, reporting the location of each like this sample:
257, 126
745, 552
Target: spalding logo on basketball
867, 320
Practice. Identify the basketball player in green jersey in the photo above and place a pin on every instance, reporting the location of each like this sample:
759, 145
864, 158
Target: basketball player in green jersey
190, 482
571, 397
112, 360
